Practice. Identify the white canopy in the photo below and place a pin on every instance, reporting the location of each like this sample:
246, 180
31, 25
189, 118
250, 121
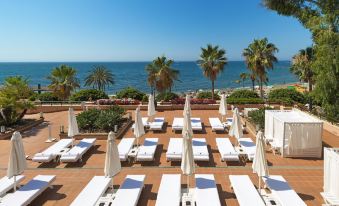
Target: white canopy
17, 157
236, 128
139, 127
259, 165
151, 108
72, 123
331, 171
112, 160
297, 134
223, 105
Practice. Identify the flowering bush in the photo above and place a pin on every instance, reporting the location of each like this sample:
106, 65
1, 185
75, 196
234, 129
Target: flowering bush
118, 102
193, 101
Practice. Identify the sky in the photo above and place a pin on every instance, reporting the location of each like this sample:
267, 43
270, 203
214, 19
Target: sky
140, 30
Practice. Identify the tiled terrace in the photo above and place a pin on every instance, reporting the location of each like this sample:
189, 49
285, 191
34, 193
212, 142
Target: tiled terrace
304, 175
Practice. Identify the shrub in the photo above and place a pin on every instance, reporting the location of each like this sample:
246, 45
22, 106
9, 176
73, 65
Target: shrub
130, 92
243, 93
145, 99
46, 96
207, 95
193, 101
117, 102
101, 120
257, 117
286, 96
87, 94
86, 120
231, 100
166, 96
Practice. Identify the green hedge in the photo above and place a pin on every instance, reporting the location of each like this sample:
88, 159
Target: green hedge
88, 94
244, 93
231, 100
207, 95
95, 120
46, 96
166, 96
257, 117
286, 96
130, 92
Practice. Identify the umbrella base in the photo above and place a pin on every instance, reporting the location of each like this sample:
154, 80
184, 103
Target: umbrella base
50, 140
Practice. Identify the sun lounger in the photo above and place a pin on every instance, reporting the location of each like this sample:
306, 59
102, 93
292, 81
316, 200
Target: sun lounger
6, 184
282, 192
27, 193
93, 191
147, 150
174, 150
248, 146
144, 122
226, 150
53, 151
206, 192
200, 151
329, 199
246, 193
178, 124
169, 193
157, 123
228, 122
78, 150
124, 147
129, 192
216, 124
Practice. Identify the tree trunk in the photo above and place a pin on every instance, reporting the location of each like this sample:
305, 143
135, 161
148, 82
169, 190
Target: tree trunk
212, 89
261, 89
253, 82
310, 105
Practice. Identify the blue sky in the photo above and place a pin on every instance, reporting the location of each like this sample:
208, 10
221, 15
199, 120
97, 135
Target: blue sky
139, 30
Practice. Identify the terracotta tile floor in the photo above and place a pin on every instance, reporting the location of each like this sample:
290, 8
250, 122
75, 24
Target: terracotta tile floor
304, 175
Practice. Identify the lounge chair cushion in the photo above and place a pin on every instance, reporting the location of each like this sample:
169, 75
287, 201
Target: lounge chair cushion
7, 184
157, 123
129, 192
174, 150
169, 193
200, 151
206, 192
124, 147
227, 150
53, 151
147, 150
216, 124
78, 150
248, 147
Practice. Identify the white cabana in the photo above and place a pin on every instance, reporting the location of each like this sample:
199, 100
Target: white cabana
331, 177
294, 133
223, 106
17, 158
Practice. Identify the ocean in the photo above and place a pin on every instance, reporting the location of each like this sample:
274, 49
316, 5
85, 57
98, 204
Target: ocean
134, 74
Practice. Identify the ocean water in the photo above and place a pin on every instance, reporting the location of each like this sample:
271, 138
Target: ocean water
133, 74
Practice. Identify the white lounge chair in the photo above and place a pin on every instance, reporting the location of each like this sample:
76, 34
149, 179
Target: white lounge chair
169, 193
53, 151
27, 193
216, 124
206, 192
226, 150
282, 192
248, 146
178, 124
6, 184
95, 189
246, 193
200, 151
124, 147
157, 123
129, 192
329, 199
228, 122
196, 124
147, 150
78, 150
174, 150
144, 122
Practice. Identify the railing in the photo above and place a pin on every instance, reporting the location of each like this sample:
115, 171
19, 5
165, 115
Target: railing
57, 103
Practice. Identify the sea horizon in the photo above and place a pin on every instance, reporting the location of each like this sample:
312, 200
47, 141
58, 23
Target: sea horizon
132, 73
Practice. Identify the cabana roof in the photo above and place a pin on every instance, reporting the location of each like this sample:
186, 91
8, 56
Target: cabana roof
293, 116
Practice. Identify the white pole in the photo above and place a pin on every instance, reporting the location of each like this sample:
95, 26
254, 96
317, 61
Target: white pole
259, 185
188, 184
14, 183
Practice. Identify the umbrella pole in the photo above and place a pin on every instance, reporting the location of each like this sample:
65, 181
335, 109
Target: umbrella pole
112, 185
188, 184
14, 183
259, 185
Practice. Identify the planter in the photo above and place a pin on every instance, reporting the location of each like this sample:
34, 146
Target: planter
101, 135
22, 128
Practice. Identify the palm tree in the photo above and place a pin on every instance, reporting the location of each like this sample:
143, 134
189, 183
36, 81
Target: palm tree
161, 75
63, 81
212, 61
243, 76
253, 77
259, 56
301, 66
100, 78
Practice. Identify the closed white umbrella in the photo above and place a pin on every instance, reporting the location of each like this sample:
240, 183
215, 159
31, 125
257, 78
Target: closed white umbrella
151, 108
72, 124
138, 125
17, 158
50, 138
236, 129
112, 161
187, 106
187, 160
223, 106
259, 165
